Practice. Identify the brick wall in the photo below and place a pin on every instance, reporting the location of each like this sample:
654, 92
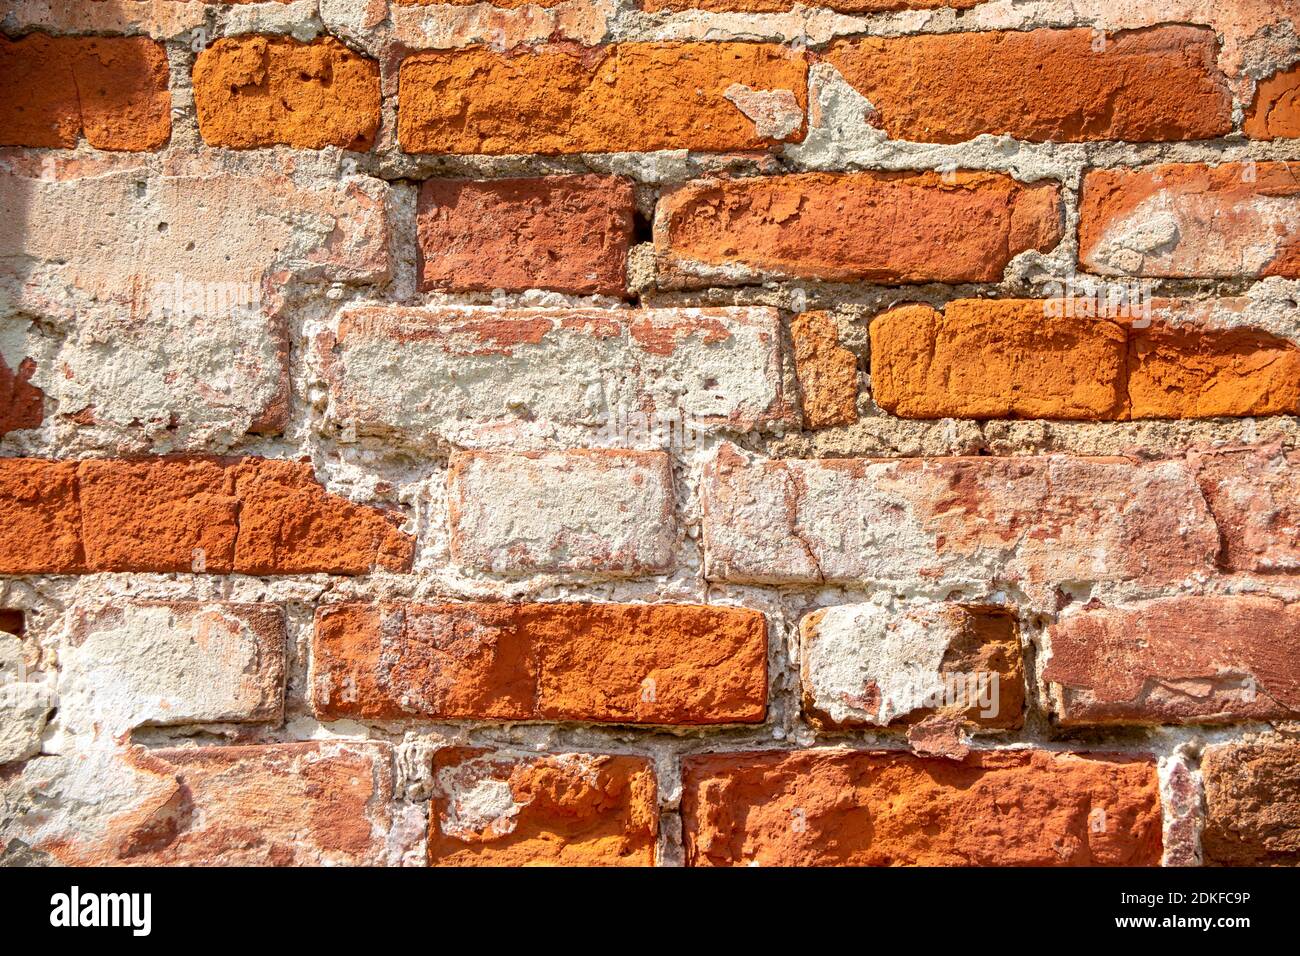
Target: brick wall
650, 432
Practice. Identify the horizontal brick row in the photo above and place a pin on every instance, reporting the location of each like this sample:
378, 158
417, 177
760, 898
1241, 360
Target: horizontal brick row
332, 803
1030, 359
621, 663
1034, 521
249, 516
1157, 84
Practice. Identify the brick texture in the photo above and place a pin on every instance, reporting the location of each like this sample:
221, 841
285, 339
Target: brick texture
826, 370
1186, 220
858, 808
565, 233
254, 91
494, 809
1042, 85
1252, 795
111, 90
1275, 112
620, 663
878, 227
632, 96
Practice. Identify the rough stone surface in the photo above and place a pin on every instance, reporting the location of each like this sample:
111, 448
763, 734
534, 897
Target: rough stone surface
566, 233
1252, 795
866, 665
1188, 220
476, 376
609, 512
953, 521
827, 372
111, 90
879, 227
637, 96
622, 663
138, 663
300, 804
1177, 660
577, 809
24, 703
828, 808
254, 91
1042, 85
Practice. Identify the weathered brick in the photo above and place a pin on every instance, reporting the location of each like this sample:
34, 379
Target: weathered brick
1034, 521
578, 809
251, 515
114, 90
866, 665
996, 359
1042, 85
252, 91
1252, 798
1033, 359
827, 372
1186, 220
160, 663
879, 227
1185, 659
621, 663
403, 371
22, 404
1254, 494
40, 518
566, 233
859, 808
610, 512
124, 231
778, 6
622, 97
295, 804
1275, 112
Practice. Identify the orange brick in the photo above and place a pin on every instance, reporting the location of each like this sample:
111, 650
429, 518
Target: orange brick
827, 372
780, 6
1042, 85
252, 91
1186, 220
1275, 113
623, 97
857, 808
114, 90
493, 809
565, 233
621, 663
996, 359
40, 518
877, 227
22, 404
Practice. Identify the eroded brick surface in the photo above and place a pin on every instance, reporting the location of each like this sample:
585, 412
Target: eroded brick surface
578, 809
1252, 796
1254, 494
622, 663
827, 372
1275, 112
827, 808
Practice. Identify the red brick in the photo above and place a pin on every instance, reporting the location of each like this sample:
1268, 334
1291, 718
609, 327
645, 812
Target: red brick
252, 515
22, 404
1275, 112
859, 808
1148, 85
622, 97
1034, 521
252, 91
620, 663
494, 809
1185, 659
564, 233
1252, 798
1254, 494
294, 804
40, 518
112, 90
1035, 359
1187, 221
877, 227
606, 512
827, 371
780, 6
